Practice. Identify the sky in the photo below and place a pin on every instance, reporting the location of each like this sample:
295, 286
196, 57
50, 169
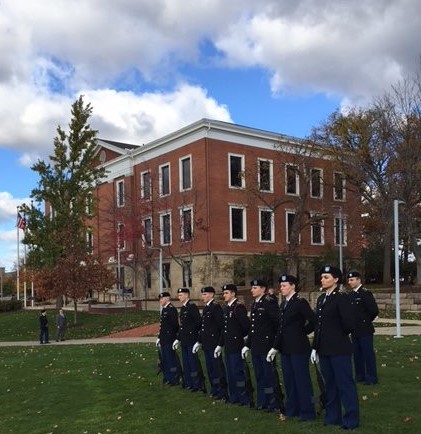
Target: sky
150, 67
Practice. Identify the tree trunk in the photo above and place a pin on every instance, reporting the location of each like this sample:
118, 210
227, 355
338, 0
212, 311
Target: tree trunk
75, 311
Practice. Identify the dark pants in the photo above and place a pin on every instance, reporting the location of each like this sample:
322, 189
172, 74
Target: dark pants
43, 335
238, 393
60, 333
215, 374
192, 379
170, 370
364, 359
340, 391
265, 383
298, 386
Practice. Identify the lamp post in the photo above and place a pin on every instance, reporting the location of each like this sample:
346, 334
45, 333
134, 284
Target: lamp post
396, 203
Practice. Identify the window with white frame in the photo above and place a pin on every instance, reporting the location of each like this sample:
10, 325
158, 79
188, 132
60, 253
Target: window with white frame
292, 180
317, 230
89, 240
236, 171
145, 185
340, 229
120, 193
290, 219
186, 224
266, 225
339, 186
238, 228
185, 173
121, 242
147, 232
165, 229
166, 275
89, 204
265, 175
164, 180
316, 186
187, 274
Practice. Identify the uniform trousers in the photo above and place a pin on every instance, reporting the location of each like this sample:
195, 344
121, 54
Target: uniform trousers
192, 379
43, 336
265, 383
298, 386
340, 391
169, 362
238, 393
215, 375
364, 359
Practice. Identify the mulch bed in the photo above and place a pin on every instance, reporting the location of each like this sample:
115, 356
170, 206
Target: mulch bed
138, 332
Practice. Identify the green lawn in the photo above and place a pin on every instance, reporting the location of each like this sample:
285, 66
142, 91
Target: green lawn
114, 388
24, 325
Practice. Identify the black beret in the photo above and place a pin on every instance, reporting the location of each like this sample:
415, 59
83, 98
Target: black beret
259, 282
180, 290
164, 294
207, 289
230, 287
353, 274
334, 271
288, 278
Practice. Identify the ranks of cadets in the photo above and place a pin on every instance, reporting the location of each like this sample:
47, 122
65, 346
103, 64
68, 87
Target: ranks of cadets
333, 347
264, 323
209, 337
167, 334
188, 334
296, 322
366, 310
236, 327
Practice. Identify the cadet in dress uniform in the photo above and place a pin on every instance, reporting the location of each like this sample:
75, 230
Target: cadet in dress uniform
332, 345
167, 334
236, 327
190, 321
264, 323
209, 337
296, 322
366, 310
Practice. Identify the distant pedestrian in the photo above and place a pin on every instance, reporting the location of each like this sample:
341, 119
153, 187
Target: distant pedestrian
335, 319
61, 323
43, 325
366, 310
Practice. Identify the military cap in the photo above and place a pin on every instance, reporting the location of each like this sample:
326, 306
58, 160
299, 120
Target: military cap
207, 289
230, 287
259, 282
164, 294
180, 290
288, 278
334, 271
353, 274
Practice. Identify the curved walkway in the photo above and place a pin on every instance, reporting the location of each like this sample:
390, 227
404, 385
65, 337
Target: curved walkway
147, 334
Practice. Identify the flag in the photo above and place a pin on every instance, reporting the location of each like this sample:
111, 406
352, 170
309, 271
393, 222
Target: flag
21, 221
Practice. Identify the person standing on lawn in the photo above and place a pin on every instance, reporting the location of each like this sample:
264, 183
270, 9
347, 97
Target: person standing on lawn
236, 328
61, 323
190, 322
296, 322
366, 310
209, 336
43, 326
167, 334
264, 323
335, 320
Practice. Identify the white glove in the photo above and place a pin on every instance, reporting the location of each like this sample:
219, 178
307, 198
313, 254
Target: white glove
271, 355
218, 351
244, 352
157, 343
314, 358
175, 344
196, 347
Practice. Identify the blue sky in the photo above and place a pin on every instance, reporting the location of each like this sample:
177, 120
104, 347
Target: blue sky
151, 67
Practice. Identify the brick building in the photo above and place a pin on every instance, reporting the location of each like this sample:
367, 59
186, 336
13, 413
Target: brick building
206, 198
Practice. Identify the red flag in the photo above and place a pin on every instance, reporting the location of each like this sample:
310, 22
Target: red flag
21, 221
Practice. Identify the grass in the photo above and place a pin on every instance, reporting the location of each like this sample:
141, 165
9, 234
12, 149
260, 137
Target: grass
24, 326
114, 388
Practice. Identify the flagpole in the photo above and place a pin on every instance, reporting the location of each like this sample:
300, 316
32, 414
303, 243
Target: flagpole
17, 266
24, 275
